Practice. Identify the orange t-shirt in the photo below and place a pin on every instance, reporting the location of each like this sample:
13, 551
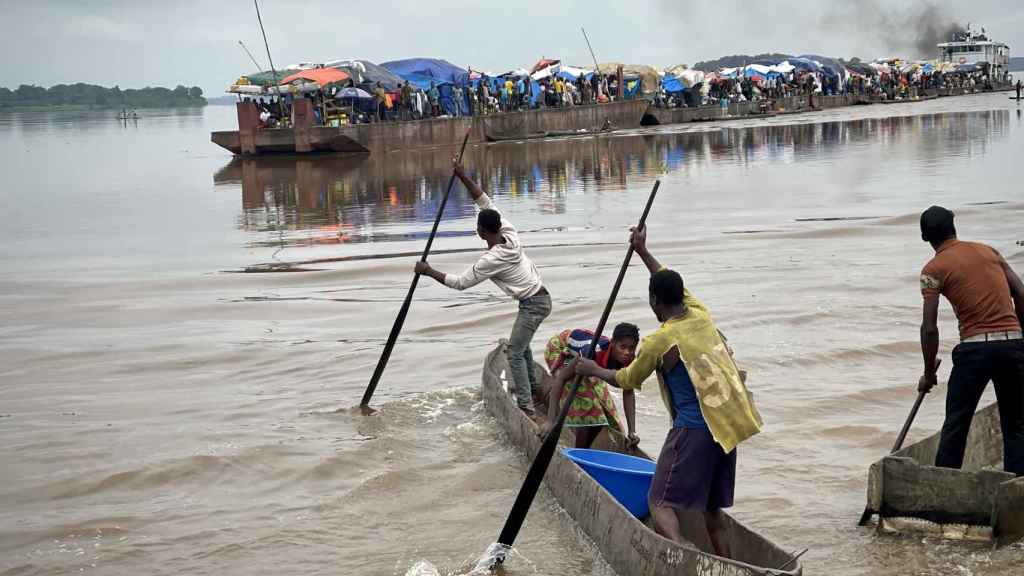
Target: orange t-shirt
971, 276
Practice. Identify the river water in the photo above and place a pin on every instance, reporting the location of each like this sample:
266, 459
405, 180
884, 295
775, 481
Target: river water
164, 412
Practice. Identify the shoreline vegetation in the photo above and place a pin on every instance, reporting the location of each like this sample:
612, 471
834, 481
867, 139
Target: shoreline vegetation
81, 96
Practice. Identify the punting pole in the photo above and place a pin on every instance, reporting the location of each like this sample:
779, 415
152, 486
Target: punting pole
597, 69
280, 104
258, 67
868, 512
364, 404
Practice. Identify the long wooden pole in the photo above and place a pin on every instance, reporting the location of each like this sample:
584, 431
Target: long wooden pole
258, 67
868, 512
404, 310
906, 425
280, 103
597, 68
540, 464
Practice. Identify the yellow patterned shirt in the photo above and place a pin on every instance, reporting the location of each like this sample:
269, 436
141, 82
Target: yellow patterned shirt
725, 402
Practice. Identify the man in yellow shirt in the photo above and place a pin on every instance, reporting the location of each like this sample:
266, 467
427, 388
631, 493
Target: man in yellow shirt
710, 407
509, 90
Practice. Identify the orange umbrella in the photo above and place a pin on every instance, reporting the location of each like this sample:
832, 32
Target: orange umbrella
323, 76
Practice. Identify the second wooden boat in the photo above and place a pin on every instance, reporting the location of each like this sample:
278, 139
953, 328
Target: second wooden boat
978, 502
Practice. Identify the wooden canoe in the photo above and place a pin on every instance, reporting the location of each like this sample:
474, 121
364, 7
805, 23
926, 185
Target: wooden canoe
909, 100
628, 545
978, 502
539, 135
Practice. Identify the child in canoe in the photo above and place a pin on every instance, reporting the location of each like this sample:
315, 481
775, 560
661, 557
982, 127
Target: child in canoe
593, 408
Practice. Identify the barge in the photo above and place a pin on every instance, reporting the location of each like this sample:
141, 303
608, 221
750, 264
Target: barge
374, 138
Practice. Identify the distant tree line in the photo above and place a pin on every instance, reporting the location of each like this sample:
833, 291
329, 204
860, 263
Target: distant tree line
91, 95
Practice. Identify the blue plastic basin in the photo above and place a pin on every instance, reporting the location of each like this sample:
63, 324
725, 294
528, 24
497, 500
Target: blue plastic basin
627, 478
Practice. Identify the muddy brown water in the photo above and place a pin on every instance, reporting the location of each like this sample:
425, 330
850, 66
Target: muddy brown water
162, 413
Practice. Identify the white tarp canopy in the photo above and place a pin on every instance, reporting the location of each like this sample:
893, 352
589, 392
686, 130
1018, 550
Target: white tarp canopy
677, 70
574, 71
546, 72
690, 78
782, 67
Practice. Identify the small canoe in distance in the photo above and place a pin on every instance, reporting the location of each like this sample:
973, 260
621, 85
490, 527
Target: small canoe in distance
631, 547
492, 137
978, 502
515, 137
908, 100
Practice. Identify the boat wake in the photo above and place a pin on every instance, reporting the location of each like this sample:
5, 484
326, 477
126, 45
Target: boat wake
492, 558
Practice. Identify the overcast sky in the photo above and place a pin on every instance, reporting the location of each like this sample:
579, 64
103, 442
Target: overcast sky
144, 43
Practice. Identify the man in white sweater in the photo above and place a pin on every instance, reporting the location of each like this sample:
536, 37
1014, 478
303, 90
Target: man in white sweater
505, 264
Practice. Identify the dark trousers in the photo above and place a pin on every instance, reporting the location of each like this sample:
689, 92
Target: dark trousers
974, 364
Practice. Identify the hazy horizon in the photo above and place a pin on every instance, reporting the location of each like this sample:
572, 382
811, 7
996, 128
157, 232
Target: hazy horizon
133, 45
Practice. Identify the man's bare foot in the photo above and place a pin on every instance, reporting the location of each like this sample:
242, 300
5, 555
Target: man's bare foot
534, 417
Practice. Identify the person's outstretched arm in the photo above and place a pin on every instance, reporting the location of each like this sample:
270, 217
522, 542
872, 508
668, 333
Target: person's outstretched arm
555, 391
929, 342
471, 277
638, 239
629, 407
1016, 290
474, 189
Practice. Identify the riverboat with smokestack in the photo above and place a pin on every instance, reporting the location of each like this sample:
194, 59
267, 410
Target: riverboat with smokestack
975, 50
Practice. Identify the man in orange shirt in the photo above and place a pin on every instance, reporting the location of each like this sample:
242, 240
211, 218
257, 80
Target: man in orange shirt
988, 299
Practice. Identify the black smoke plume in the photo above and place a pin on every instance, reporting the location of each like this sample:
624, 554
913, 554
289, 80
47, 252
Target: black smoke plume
907, 29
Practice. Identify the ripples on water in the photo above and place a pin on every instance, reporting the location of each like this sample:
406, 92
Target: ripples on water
158, 416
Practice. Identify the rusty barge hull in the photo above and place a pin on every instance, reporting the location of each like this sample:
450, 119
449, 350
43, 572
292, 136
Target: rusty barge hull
382, 137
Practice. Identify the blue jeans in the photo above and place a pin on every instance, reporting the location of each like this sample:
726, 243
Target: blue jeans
532, 311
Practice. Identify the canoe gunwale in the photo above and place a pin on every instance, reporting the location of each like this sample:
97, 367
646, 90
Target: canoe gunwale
628, 545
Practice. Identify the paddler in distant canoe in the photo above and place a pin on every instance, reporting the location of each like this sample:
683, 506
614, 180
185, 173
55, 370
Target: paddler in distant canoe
507, 265
593, 409
710, 407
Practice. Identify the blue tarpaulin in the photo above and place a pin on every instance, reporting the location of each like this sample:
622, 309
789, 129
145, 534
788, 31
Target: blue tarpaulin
632, 88
430, 67
805, 64
672, 84
829, 66
446, 98
421, 82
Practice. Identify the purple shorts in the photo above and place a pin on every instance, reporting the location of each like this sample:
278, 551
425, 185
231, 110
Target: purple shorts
693, 472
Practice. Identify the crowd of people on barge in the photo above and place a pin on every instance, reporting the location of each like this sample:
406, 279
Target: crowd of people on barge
888, 81
489, 96
437, 89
